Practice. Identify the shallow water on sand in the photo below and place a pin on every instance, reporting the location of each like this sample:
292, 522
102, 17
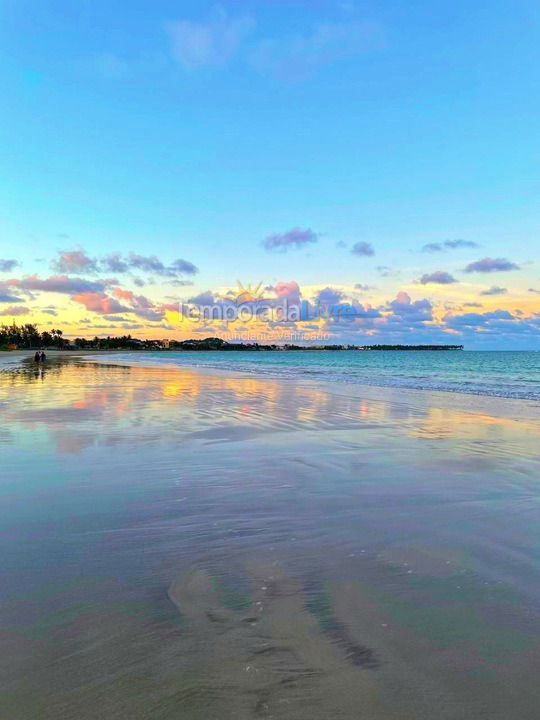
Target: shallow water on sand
183, 545
510, 374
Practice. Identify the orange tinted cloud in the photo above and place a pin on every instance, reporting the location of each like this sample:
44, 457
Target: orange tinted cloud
99, 303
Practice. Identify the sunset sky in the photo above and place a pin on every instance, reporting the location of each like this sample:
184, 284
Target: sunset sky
382, 155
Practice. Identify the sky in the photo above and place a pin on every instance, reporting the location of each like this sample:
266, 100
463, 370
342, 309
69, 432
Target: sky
375, 159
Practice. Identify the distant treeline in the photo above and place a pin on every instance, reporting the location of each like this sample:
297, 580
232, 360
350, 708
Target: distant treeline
410, 347
219, 344
28, 336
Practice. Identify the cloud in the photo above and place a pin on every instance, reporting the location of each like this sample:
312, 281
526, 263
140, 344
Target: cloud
438, 277
50, 311
177, 283
99, 303
74, 261
364, 288
362, 248
533, 290
329, 296
148, 263
499, 326
7, 265
205, 298
404, 309
7, 297
148, 314
478, 319
448, 245
138, 304
123, 326
184, 267
488, 265
294, 238
432, 247
212, 43
494, 290
114, 318
60, 284
152, 264
288, 290
142, 302
15, 310
460, 244
114, 263
122, 294
93, 297
341, 314
386, 271
295, 56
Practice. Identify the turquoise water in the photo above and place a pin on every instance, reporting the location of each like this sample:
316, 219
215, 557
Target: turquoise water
500, 374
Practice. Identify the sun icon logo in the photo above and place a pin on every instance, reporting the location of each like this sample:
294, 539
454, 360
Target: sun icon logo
245, 293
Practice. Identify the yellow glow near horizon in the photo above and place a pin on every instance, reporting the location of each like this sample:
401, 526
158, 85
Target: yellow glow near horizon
447, 301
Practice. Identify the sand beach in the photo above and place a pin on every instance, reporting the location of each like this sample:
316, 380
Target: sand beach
208, 544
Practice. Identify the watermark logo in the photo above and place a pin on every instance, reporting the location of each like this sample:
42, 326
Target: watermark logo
248, 304
245, 294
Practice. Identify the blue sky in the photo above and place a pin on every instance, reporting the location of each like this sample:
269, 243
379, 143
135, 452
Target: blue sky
196, 131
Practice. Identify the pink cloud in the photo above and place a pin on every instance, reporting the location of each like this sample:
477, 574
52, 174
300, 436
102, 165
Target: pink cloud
75, 261
288, 291
99, 303
122, 294
169, 307
139, 302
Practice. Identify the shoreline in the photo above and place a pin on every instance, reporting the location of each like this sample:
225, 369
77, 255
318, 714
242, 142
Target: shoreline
411, 397
471, 403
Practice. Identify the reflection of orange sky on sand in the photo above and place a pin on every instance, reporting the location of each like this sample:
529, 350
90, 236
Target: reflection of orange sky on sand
438, 423
92, 400
98, 400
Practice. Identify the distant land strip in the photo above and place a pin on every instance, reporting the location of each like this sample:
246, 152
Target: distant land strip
20, 337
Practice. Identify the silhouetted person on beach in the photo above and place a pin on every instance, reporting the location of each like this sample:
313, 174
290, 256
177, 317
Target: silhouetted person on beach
42, 356
37, 356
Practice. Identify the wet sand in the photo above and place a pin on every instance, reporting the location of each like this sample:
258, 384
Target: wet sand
180, 544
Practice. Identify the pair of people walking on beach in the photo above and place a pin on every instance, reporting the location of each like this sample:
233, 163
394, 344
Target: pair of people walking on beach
40, 356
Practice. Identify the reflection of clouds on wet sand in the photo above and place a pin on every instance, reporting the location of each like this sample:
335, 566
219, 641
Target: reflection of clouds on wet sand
390, 539
102, 401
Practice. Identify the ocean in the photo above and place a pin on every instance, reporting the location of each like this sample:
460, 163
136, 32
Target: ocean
508, 374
